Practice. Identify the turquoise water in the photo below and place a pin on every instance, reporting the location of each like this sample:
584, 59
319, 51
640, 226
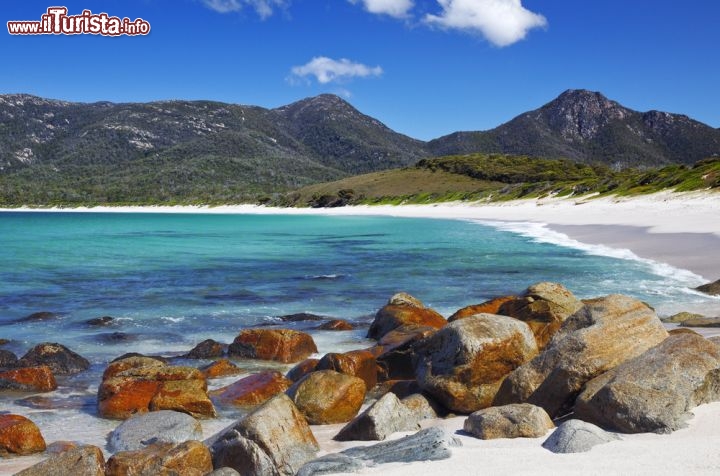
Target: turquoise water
171, 280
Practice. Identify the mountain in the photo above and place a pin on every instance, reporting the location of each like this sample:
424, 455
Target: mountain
57, 151
587, 127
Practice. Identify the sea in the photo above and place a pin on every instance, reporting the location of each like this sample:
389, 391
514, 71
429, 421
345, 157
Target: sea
170, 281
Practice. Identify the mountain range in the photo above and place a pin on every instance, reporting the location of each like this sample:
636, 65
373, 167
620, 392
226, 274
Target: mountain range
201, 151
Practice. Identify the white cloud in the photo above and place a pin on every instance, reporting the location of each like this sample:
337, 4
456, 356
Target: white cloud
327, 70
394, 8
264, 8
502, 22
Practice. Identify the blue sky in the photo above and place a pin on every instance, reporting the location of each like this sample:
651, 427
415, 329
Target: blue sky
423, 67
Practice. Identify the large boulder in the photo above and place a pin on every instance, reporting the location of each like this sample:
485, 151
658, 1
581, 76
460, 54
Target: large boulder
78, 461
141, 384
60, 359
710, 288
190, 458
488, 307
19, 436
254, 389
302, 369
207, 349
164, 426
604, 333
28, 379
359, 363
275, 439
518, 420
577, 436
463, 364
380, 420
281, 345
403, 309
544, 307
326, 396
656, 390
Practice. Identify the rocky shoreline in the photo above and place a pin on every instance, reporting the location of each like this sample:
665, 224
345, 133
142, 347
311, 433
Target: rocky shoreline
518, 366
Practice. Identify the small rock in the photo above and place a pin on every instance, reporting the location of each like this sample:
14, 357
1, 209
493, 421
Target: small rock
326, 396
302, 369
336, 325
164, 426
380, 420
423, 407
403, 309
701, 322
680, 317
39, 317
282, 345
220, 368
7, 359
100, 321
577, 436
4, 341
710, 288
682, 330
29, 379
520, 420
359, 363
190, 458
78, 461
488, 307
300, 317
254, 389
19, 436
207, 349
60, 359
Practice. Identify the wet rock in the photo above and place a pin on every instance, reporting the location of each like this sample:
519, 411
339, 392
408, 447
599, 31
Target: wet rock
7, 359
19, 436
116, 337
359, 363
710, 288
326, 397
336, 325
680, 317
28, 379
701, 322
58, 402
207, 349
190, 458
380, 420
78, 461
656, 390
302, 369
273, 439
220, 368
100, 321
282, 345
254, 389
41, 316
519, 420
488, 307
603, 334
544, 307
463, 364
164, 426
403, 309
60, 359
577, 436
135, 354
301, 317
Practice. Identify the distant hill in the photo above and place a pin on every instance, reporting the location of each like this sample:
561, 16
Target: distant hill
587, 127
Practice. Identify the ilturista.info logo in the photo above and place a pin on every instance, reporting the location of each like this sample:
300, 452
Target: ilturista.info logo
56, 21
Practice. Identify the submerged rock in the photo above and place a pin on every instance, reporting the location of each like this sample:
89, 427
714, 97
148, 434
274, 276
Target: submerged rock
19, 436
83, 460
577, 436
403, 309
326, 396
301, 317
59, 358
282, 345
254, 389
190, 458
164, 426
100, 321
519, 420
39, 317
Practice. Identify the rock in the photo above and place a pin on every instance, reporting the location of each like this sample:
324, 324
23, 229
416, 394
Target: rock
422, 407
190, 458
463, 364
401, 388
656, 390
336, 325
41, 316
282, 345
714, 339
57, 447
254, 389
682, 330
273, 439
4, 341
577, 436
488, 307
207, 349
543, 306
680, 317
141, 384
7, 359
426, 445
60, 359
224, 472
29, 379
396, 354
701, 322
302, 369
220, 368
359, 363
19, 436
116, 337
79, 461
380, 420
301, 316
100, 321
518, 420
603, 334
710, 288
403, 309
164, 426
326, 396
135, 354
